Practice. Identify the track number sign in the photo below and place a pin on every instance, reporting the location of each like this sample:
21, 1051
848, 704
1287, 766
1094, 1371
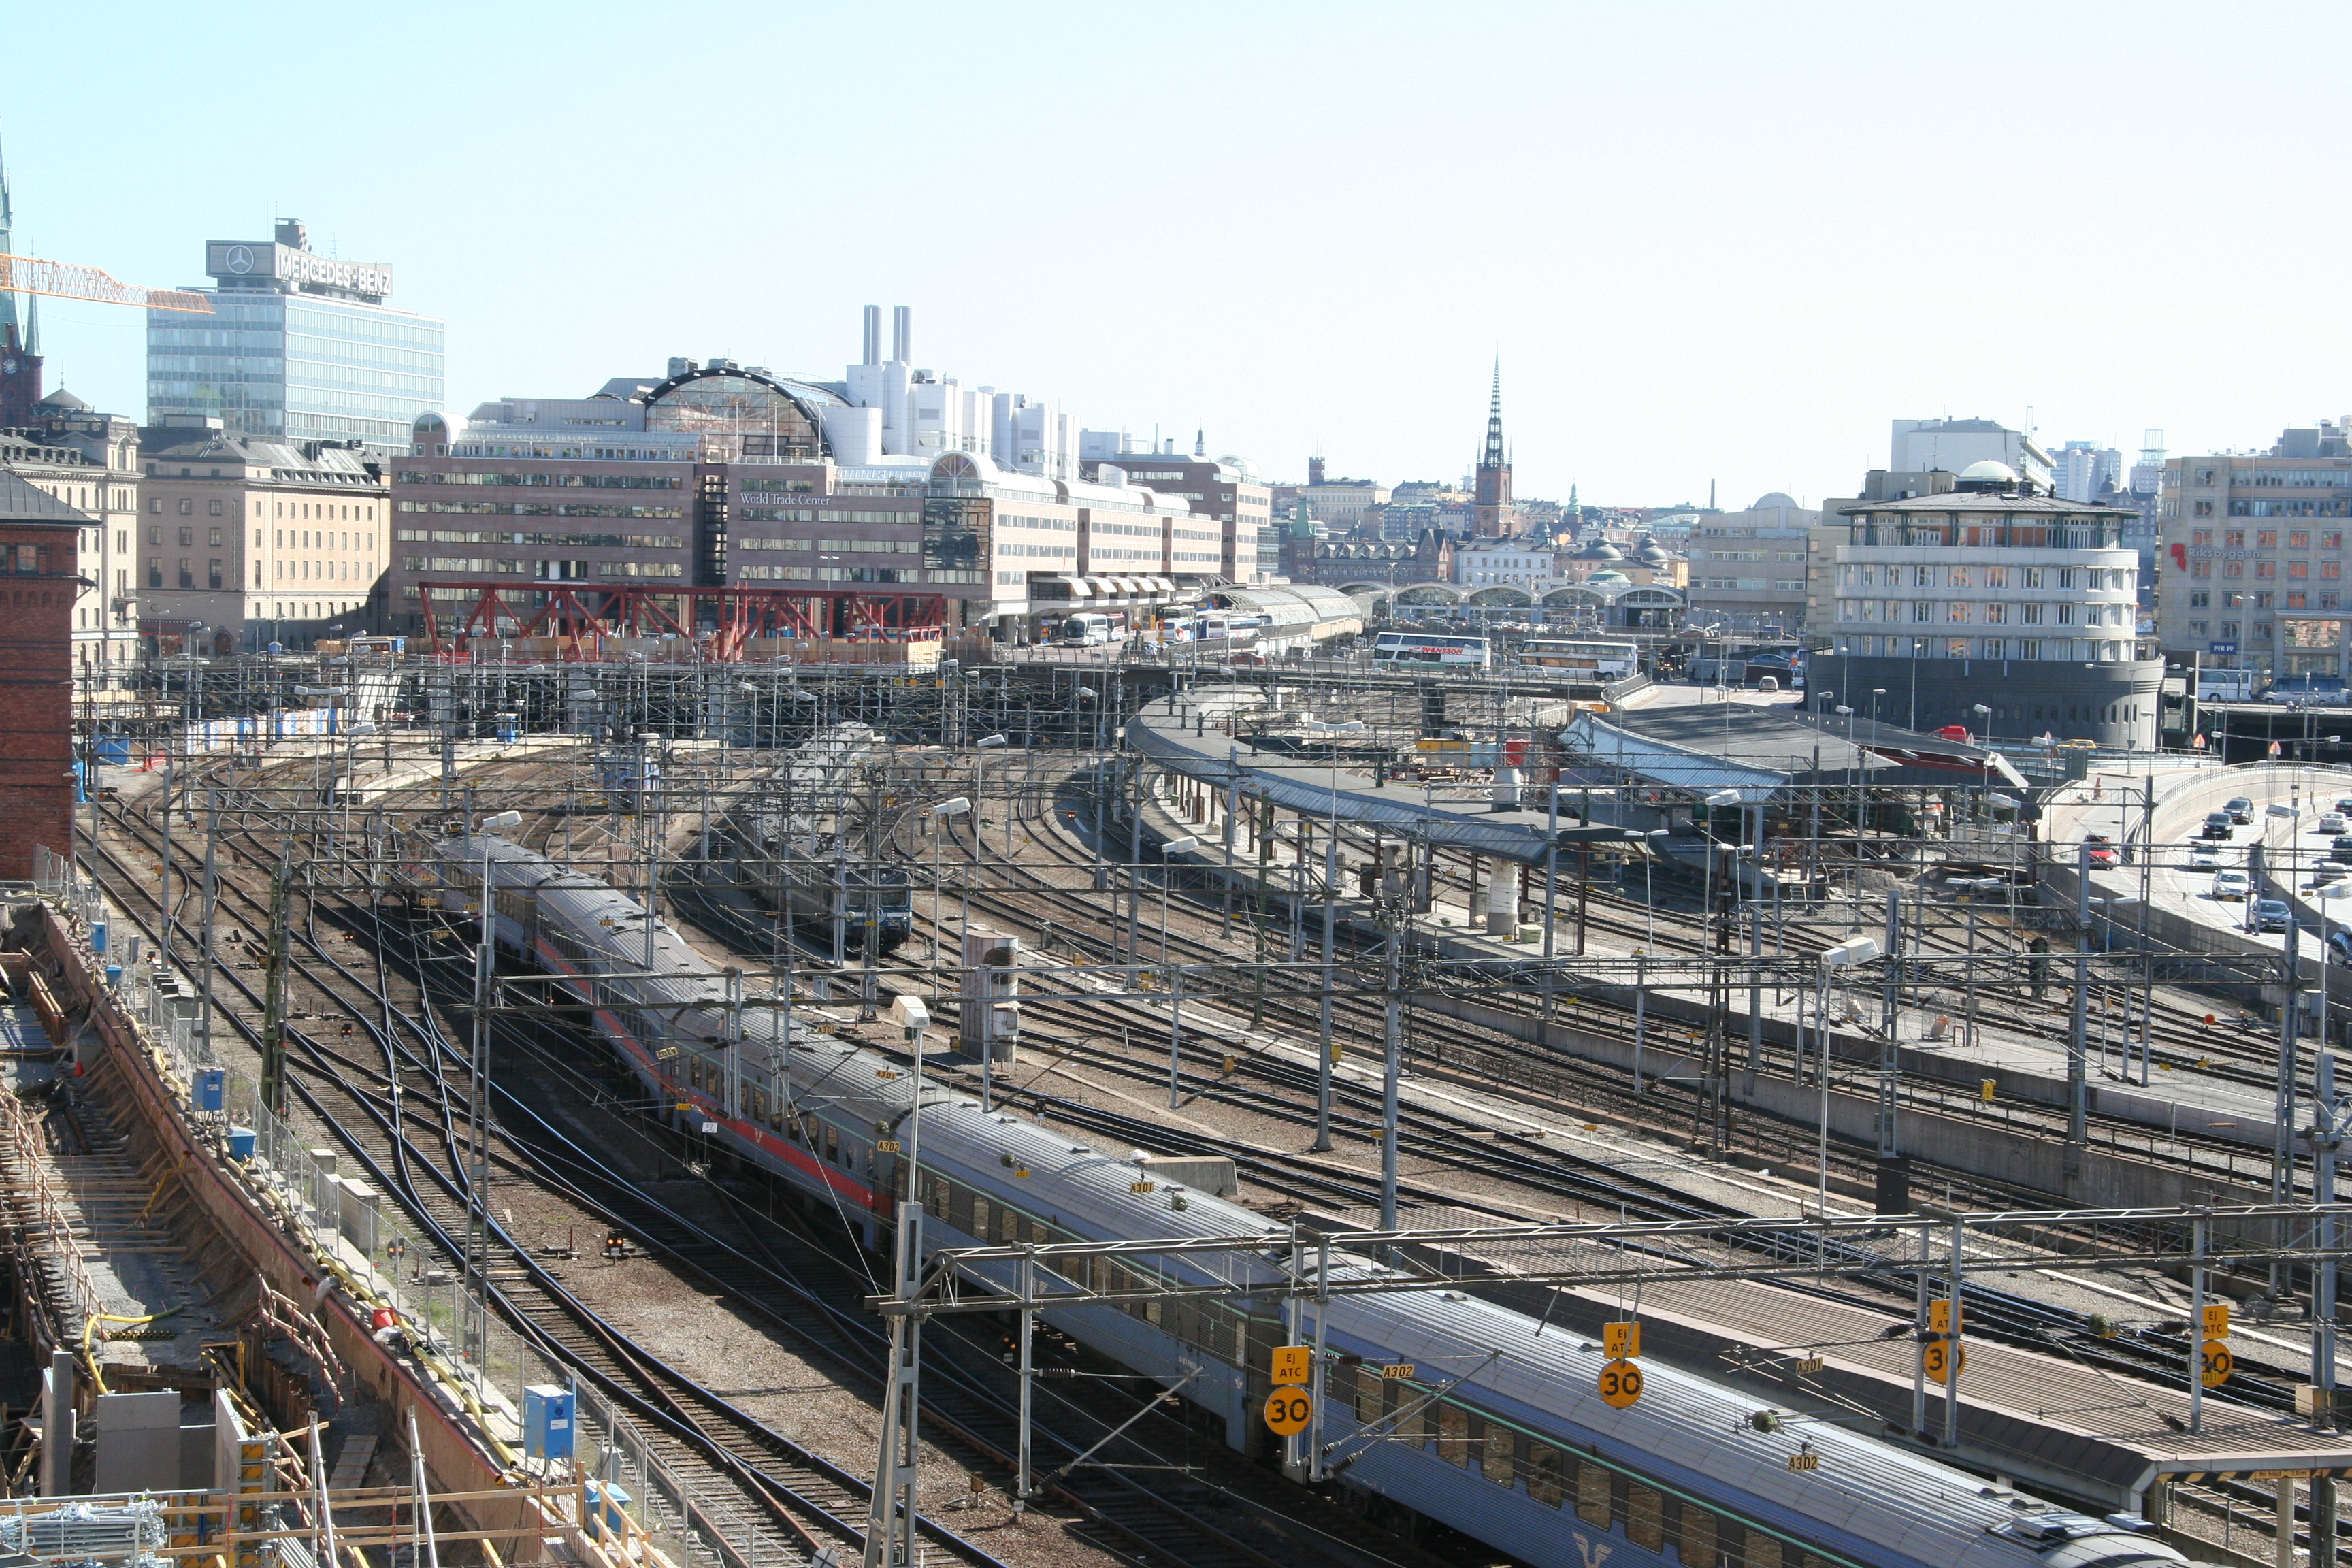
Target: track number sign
2215, 1363
1621, 1384
1293, 1364
1287, 1410
1940, 1356
1622, 1342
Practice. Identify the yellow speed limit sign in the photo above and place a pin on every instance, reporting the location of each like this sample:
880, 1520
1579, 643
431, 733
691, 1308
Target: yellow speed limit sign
2215, 1363
1621, 1384
1287, 1410
1940, 1356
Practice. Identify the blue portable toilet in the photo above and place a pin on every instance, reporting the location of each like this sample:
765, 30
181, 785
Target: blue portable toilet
206, 1087
98, 938
546, 1421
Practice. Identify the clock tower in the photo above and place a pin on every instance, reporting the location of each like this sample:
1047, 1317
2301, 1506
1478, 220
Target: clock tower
20, 379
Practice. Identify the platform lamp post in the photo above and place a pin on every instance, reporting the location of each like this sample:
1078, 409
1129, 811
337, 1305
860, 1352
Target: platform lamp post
985, 744
1706, 874
1172, 847
1984, 716
891, 1512
1846, 954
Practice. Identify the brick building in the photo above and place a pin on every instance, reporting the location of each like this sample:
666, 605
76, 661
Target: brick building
40, 540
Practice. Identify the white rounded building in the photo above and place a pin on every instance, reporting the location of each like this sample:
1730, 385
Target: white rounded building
1992, 595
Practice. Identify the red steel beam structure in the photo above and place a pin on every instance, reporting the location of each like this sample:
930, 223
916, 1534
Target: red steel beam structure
577, 612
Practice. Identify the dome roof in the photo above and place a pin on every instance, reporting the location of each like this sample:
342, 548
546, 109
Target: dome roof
1609, 577
1599, 550
66, 400
1775, 499
1989, 471
1650, 551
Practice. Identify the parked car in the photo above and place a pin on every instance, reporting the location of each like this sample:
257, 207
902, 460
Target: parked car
2217, 825
2232, 885
2271, 914
2240, 810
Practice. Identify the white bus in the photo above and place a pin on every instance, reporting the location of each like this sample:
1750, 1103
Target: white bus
1432, 648
1593, 659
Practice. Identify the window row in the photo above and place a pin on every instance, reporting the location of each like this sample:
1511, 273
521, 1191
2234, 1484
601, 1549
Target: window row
2268, 538
1996, 613
2079, 651
2268, 571
1868, 575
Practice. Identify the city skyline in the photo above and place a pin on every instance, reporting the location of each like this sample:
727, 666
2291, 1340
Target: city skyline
1704, 277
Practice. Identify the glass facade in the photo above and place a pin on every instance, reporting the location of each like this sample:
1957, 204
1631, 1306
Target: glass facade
296, 367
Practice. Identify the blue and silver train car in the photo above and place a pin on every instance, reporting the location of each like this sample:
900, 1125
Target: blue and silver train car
1517, 1450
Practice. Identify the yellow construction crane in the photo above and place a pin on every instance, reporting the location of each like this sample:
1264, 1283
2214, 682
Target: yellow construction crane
64, 281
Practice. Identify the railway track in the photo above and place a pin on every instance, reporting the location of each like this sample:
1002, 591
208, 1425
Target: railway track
1191, 1522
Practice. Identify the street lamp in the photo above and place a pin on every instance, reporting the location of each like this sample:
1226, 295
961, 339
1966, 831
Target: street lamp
1706, 876
1985, 716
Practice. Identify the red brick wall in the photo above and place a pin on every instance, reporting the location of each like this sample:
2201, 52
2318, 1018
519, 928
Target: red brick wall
35, 696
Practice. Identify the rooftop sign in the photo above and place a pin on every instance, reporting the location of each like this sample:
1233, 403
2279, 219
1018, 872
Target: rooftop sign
241, 261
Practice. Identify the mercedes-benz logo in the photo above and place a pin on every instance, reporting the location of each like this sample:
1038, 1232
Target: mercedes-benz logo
240, 258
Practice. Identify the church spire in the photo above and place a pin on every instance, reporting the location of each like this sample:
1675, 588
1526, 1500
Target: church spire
1491, 502
1495, 458
8, 319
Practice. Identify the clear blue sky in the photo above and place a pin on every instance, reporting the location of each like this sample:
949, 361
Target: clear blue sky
1719, 242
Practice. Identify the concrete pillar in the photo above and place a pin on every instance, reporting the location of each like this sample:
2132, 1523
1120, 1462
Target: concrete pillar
2283, 1550
1502, 899
57, 1424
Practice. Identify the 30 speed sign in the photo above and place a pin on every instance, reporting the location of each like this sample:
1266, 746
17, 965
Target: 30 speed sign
1287, 1410
1621, 1384
2215, 1363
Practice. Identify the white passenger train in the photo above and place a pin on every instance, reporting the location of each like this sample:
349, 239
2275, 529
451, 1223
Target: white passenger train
1520, 1453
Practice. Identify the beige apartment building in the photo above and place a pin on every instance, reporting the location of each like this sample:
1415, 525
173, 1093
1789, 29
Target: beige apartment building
256, 542
2250, 561
89, 462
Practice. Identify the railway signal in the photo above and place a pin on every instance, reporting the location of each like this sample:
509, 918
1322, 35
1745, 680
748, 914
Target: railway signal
1287, 1411
1943, 1355
1621, 1384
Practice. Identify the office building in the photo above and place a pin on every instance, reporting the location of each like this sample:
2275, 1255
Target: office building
1991, 593
721, 475
1224, 489
38, 593
90, 461
2084, 470
1747, 568
1342, 503
2252, 564
1952, 444
244, 543
299, 348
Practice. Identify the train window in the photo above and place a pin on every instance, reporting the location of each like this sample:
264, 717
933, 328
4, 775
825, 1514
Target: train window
1763, 1551
1644, 1521
960, 1202
1499, 1455
976, 1222
1592, 1495
833, 1143
1813, 1561
1414, 1427
1545, 1473
759, 1103
1452, 1435
1698, 1539
1367, 1395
